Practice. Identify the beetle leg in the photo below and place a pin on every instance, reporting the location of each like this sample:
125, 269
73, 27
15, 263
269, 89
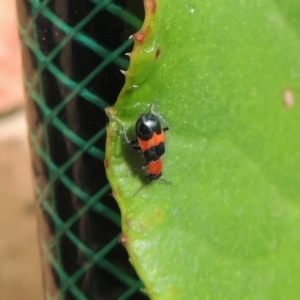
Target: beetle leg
135, 145
123, 133
140, 169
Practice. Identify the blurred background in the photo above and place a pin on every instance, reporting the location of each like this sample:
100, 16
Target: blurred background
20, 271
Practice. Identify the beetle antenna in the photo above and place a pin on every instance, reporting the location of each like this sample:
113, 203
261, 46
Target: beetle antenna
159, 116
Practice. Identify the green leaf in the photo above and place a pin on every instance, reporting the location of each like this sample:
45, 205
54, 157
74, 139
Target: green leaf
226, 76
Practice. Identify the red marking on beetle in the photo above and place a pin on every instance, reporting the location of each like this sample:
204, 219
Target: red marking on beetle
155, 168
157, 52
123, 239
154, 141
150, 5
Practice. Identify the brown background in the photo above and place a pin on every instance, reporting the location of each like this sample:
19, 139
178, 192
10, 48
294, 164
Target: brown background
20, 271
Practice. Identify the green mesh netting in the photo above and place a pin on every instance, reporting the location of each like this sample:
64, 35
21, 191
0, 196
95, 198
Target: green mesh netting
72, 52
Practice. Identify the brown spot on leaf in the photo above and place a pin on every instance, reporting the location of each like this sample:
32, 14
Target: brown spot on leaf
288, 98
116, 192
139, 36
106, 163
109, 138
109, 111
157, 52
158, 215
150, 5
123, 239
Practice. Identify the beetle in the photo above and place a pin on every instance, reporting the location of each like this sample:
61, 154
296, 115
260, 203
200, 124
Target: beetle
150, 139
